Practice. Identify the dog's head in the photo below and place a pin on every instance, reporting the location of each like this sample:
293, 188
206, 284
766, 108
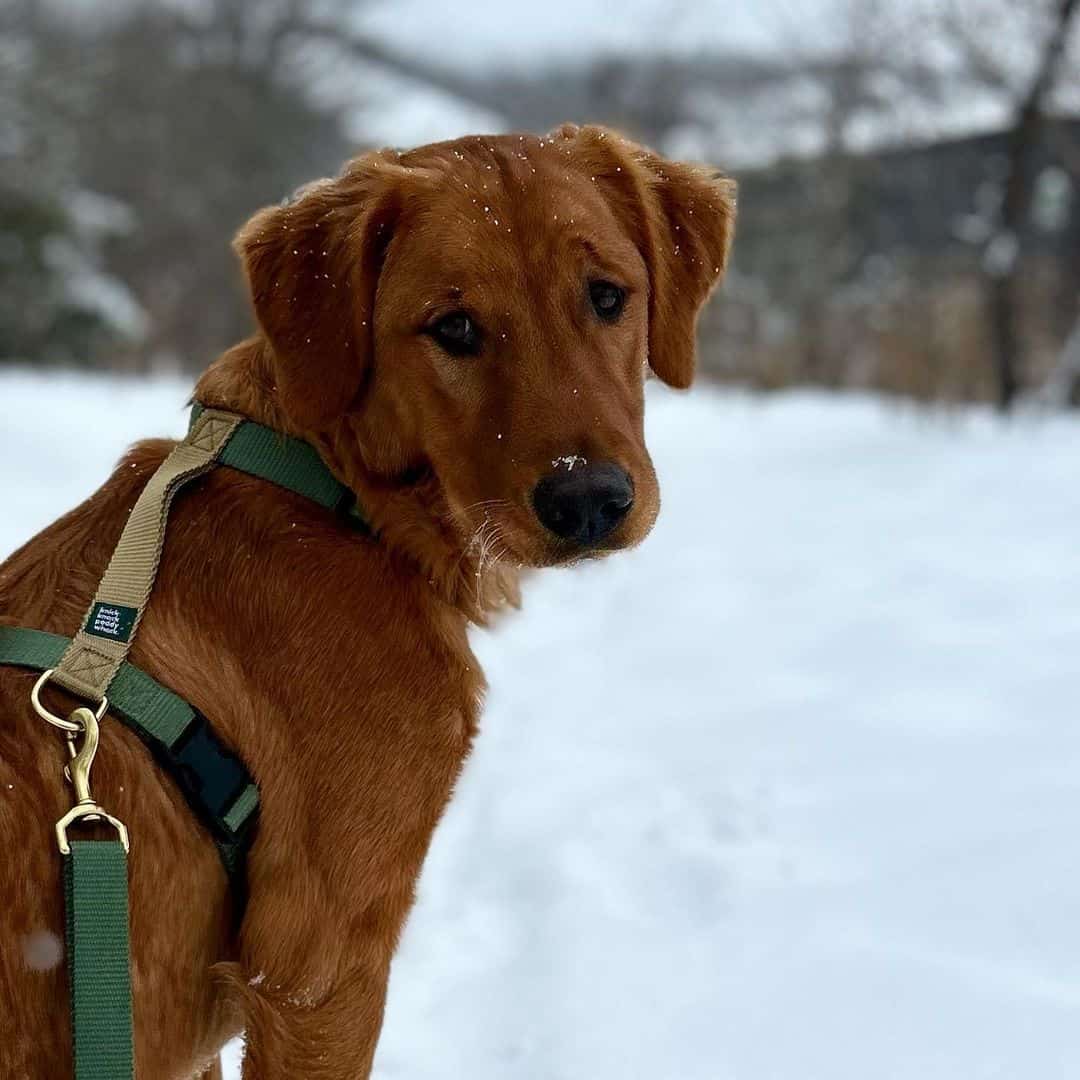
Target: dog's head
480, 316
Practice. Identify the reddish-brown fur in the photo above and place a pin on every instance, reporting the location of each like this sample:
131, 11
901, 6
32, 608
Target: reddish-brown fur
338, 666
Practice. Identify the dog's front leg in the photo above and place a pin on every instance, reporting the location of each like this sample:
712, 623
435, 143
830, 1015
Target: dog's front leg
288, 1036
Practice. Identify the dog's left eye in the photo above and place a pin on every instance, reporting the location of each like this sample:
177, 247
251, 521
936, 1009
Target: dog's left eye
456, 333
607, 299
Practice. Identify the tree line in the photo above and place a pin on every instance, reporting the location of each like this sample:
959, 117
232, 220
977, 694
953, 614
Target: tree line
135, 137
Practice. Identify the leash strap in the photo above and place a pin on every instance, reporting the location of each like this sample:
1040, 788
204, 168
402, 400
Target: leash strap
96, 899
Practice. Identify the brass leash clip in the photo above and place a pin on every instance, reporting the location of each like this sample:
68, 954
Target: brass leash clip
82, 722
78, 772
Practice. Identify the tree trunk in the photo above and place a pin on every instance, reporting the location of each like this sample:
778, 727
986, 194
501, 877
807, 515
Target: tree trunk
1001, 269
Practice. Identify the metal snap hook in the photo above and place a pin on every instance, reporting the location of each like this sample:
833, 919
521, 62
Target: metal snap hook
78, 771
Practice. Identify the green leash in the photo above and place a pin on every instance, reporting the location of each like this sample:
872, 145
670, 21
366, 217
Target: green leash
96, 898
96, 908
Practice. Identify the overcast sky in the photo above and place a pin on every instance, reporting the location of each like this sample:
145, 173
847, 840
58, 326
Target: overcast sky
481, 31
481, 34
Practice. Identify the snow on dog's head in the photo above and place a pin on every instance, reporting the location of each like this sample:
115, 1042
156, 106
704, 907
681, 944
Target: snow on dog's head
473, 316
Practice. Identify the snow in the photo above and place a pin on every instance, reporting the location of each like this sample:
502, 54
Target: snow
789, 793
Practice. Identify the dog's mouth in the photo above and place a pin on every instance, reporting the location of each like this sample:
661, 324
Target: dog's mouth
520, 539
533, 544
575, 510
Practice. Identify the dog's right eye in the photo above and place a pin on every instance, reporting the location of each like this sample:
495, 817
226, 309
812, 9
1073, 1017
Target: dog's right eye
456, 333
607, 299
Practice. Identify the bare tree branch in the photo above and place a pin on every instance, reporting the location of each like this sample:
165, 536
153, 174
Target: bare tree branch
367, 50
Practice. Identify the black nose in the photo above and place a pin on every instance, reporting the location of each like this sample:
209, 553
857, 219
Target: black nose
583, 502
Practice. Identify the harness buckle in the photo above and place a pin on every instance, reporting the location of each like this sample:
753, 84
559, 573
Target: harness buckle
84, 721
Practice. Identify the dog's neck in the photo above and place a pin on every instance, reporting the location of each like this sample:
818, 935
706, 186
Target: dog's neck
411, 519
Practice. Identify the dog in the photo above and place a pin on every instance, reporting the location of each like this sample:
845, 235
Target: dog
463, 332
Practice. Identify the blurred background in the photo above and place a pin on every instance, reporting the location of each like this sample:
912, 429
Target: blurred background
790, 792
909, 168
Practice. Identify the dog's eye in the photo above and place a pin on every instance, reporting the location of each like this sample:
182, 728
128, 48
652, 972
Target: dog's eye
607, 299
456, 333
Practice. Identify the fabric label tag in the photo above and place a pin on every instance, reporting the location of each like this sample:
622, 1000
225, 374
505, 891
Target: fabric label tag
112, 621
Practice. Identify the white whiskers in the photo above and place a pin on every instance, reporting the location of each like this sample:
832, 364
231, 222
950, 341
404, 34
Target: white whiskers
488, 539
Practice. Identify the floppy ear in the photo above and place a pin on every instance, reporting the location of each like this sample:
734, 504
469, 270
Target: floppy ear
682, 218
312, 266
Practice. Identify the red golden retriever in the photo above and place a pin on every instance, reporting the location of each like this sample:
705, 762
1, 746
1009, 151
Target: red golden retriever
463, 332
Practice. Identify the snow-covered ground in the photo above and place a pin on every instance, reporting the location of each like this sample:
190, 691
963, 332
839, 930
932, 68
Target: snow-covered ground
790, 793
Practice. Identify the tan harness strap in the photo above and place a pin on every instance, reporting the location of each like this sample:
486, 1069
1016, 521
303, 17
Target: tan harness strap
99, 648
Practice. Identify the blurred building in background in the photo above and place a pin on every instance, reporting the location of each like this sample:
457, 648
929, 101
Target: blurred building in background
910, 171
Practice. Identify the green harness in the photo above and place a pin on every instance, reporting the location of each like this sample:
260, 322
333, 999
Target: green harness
93, 666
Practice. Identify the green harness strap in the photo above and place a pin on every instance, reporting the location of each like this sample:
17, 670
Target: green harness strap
288, 462
214, 780
217, 786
